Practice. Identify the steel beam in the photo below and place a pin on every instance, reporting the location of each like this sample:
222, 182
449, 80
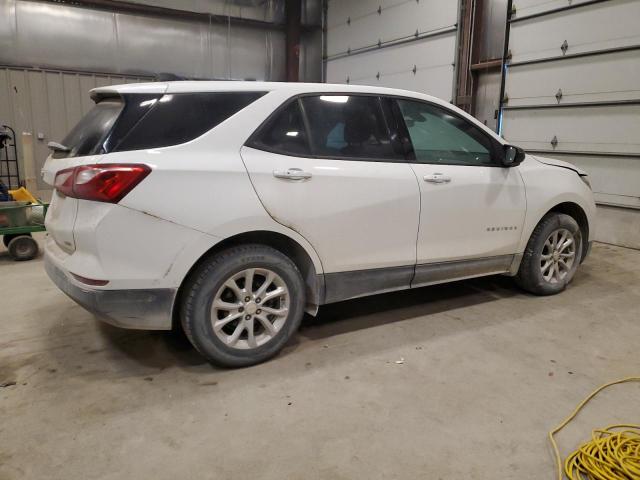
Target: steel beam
293, 13
136, 8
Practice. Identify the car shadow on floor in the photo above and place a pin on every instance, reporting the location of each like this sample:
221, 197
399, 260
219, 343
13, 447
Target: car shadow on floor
159, 350
376, 310
153, 349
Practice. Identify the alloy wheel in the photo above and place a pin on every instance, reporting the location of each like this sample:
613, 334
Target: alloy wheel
558, 255
250, 308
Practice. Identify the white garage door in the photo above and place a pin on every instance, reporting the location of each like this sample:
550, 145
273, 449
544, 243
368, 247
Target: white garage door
572, 89
393, 43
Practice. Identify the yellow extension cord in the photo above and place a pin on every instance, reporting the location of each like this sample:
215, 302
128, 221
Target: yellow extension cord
613, 453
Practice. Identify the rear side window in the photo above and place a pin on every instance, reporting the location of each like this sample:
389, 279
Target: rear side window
348, 126
178, 118
87, 137
285, 133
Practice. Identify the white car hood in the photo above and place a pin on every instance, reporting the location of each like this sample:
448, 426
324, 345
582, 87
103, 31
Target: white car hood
560, 163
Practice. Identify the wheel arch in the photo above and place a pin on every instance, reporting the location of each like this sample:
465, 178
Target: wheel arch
314, 280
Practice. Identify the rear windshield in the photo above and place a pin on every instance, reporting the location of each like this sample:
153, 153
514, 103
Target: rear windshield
87, 136
141, 121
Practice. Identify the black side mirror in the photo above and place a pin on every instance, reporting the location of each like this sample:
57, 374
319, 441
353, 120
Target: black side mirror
512, 156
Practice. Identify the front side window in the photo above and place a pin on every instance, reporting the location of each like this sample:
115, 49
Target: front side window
348, 126
440, 137
87, 136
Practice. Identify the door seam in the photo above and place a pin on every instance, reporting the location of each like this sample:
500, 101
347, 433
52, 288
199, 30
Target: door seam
415, 263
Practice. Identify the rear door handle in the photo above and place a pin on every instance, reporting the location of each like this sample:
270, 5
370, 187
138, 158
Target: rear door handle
292, 174
436, 178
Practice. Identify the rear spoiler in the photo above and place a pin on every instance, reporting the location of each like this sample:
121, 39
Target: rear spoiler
116, 90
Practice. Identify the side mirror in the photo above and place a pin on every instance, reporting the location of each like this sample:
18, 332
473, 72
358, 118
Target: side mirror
512, 156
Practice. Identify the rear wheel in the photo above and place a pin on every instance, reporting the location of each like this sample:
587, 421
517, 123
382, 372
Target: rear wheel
22, 247
552, 255
242, 305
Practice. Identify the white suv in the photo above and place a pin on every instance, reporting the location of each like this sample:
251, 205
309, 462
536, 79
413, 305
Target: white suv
232, 208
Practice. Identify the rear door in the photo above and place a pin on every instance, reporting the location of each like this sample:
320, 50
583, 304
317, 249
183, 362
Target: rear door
325, 166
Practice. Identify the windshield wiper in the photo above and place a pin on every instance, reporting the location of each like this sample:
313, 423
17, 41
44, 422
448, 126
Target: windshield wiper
58, 147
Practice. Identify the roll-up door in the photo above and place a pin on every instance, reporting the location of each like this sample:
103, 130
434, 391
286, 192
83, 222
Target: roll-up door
572, 89
393, 43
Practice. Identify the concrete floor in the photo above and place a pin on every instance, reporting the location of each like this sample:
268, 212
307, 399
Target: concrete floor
486, 371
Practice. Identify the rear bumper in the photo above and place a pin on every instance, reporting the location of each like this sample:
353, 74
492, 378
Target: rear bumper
142, 309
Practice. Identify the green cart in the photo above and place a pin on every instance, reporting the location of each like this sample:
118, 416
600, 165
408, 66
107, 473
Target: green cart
18, 220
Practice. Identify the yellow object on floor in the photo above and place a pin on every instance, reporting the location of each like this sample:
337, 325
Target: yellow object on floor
613, 453
23, 195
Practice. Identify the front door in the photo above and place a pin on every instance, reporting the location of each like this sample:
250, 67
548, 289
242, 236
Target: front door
471, 207
324, 165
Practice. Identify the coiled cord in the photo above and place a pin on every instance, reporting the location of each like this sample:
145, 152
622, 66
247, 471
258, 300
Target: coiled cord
613, 453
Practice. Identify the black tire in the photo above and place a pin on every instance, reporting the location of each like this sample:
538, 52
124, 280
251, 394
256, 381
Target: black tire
530, 276
23, 247
7, 238
209, 277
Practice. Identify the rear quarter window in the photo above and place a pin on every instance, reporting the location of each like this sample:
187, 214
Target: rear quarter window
284, 133
178, 118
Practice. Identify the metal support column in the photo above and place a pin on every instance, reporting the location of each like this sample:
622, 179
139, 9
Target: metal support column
293, 27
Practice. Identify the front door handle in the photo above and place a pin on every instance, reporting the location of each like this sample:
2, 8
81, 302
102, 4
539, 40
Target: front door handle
436, 178
292, 174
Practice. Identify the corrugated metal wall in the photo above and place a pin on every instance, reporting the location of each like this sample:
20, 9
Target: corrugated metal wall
264, 10
48, 103
70, 37
393, 43
50, 53
487, 101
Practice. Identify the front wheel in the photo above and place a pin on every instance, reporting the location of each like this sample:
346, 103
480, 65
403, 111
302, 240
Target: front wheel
552, 255
242, 305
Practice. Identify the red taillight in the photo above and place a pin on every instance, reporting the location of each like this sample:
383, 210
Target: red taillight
108, 182
64, 181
